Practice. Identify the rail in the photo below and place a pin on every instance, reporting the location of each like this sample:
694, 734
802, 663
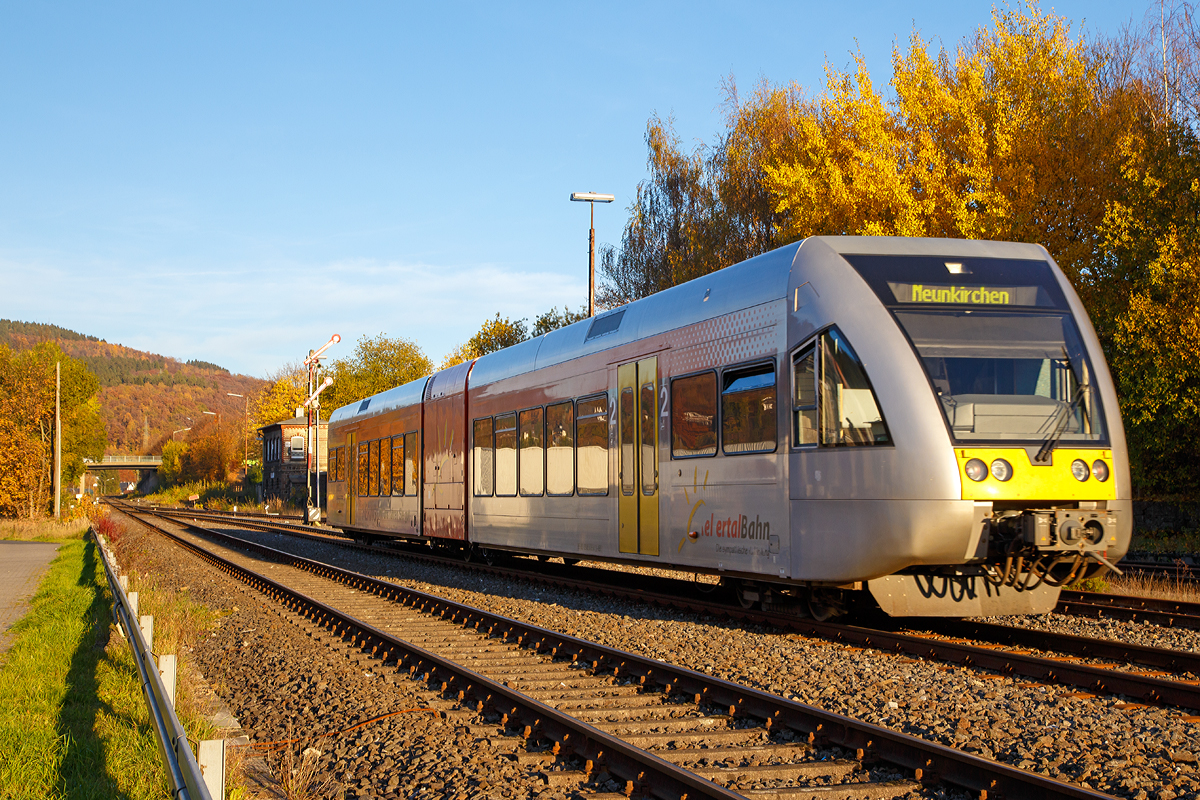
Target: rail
187, 781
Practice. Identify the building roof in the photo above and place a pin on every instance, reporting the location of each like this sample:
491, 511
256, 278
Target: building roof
294, 422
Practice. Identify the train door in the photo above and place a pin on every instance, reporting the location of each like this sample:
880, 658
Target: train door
351, 484
444, 441
637, 412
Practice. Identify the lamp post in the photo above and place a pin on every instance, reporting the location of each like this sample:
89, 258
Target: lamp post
313, 362
217, 414
245, 426
591, 198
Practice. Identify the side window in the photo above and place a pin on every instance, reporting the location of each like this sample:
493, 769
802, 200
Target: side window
297, 448
648, 429
533, 461
397, 465
373, 468
385, 467
591, 440
850, 414
560, 449
804, 399
360, 474
694, 416
506, 455
485, 457
748, 414
413, 471
339, 470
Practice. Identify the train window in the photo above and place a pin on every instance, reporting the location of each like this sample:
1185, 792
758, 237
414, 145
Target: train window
413, 472
694, 415
649, 435
506, 455
533, 459
339, 470
591, 439
804, 403
397, 465
385, 467
360, 474
560, 449
849, 412
627, 443
485, 457
748, 410
373, 469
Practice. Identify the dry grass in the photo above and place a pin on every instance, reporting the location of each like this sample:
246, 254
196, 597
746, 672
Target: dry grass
1181, 587
42, 530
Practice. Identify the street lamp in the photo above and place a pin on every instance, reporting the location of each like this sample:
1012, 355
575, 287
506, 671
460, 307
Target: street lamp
181, 430
220, 459
245, 426
591, 198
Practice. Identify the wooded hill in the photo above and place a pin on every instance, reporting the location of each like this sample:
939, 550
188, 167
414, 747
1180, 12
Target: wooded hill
145, 396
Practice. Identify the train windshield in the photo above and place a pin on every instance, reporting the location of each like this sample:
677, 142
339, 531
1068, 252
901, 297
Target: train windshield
1002, 375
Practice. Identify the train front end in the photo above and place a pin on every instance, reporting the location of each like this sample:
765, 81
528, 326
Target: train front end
1011, 380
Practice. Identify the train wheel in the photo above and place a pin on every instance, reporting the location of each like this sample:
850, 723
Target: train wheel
748, 594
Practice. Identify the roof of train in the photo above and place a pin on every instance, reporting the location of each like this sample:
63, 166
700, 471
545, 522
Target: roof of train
748, 283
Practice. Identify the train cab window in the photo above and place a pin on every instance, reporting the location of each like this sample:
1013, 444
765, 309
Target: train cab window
560, 449
506, 455
360, 473
628, 419
591, 445
485, 457
804, 402
373, 469
533, 459
413, 472
694, 416
398, 465
850, 414
748, 414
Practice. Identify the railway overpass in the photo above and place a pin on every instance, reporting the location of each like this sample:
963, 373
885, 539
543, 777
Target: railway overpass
146, 467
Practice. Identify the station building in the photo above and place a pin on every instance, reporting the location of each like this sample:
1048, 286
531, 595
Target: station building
286, 452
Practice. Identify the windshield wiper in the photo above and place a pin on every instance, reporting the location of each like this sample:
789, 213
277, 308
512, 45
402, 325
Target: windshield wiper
1043, 455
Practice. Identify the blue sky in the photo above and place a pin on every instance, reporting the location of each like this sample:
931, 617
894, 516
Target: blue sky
236, 182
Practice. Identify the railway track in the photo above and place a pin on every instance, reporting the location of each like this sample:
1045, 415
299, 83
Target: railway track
667, 731
1143, 674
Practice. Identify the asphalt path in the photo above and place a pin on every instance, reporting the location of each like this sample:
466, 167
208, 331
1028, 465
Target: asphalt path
22, 565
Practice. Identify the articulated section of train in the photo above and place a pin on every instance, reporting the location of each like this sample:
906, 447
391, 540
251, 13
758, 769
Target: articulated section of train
927, 423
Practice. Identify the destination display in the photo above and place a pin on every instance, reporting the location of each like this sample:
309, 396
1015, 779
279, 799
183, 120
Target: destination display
967, 294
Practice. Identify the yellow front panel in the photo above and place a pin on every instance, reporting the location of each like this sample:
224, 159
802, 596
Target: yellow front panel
1036, 481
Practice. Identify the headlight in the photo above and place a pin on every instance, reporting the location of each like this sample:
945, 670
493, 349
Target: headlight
1079, 469
976, 470
1001, 469
1100, 470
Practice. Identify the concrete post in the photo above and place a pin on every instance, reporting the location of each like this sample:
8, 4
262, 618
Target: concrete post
167, 671
147, 626
212, 766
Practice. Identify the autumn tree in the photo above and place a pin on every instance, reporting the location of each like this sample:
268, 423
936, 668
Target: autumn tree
27, 399
378, 364
554, 319
279, 399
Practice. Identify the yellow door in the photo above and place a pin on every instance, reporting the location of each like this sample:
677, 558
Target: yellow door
351, 476
637, 420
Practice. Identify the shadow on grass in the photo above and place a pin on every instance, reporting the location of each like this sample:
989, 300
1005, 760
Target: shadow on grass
83, 772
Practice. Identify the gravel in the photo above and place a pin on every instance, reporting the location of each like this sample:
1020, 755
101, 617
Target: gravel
1100, 742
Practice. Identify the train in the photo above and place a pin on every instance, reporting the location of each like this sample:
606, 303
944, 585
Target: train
926, 426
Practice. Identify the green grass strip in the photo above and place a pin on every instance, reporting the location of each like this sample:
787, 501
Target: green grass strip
73, 721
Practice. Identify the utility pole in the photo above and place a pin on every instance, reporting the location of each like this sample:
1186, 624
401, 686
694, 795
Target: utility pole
313, 419
57, 439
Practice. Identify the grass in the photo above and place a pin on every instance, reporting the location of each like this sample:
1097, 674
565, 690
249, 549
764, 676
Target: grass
73, 720
42, 530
